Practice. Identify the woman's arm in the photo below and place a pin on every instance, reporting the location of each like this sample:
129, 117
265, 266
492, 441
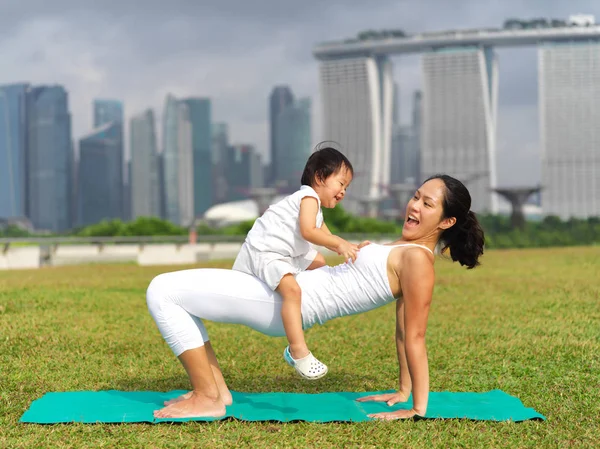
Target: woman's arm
412, 310
405, 383
417, 279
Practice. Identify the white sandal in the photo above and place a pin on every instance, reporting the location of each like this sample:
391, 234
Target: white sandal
308, 367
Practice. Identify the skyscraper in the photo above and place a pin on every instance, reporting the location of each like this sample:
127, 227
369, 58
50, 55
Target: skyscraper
569, 95
178, 162
220, 144
293, 142
244, 171
145, 182
106, 111
13, 147
186, 165
49, 158
281, 97
170, 158
200, 118
417, 130
111, 111
357, 98
404, 163
459, 120
99, 187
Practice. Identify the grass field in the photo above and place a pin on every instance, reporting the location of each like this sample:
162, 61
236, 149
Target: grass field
527, 322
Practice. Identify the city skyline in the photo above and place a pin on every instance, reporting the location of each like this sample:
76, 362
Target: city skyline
276, 49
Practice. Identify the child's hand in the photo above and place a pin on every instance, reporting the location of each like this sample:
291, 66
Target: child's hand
348, 250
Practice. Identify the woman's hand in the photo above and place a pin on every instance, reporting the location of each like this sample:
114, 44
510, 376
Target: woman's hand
389, 398
398, 414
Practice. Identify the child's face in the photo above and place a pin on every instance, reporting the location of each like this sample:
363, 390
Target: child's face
333, 189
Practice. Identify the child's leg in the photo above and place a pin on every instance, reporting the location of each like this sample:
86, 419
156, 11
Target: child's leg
318, 262
291, 315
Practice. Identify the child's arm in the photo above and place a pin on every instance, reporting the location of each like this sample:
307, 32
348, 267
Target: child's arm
326, 229
309, 207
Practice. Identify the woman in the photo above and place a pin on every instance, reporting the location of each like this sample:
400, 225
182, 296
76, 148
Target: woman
402, 271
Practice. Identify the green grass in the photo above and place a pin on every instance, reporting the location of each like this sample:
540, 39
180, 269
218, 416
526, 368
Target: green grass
527, 322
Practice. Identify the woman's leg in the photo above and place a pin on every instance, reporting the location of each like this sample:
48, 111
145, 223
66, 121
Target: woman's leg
218, 376
205, 399
177, 302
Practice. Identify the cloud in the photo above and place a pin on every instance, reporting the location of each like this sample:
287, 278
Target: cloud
235, 51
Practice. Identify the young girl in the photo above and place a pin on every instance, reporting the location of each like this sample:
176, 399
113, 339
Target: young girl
279, 246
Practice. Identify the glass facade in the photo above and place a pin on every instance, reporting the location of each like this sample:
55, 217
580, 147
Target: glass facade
49, 158
13, 134
281, 97
170, 159
569, 95
200, 118
111, 111
293, 142
100, 192
220, 143
458, 136
244, 171
144, 180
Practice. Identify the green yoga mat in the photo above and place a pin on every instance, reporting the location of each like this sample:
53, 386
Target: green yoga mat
125, 406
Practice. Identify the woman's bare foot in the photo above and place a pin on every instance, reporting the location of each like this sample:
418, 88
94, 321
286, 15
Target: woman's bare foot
178, 398
195, 406
225, 397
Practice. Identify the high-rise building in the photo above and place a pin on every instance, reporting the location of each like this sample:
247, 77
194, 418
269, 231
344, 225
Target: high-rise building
404, 166
200, 118
144, 180
417, 129
111, 111
281, 97
460, 88
569, 95
178, 162
293, 142
13, 150
106, 111
99, 188
244, 171
49, 159
396, 105
357, 98
220, 145
170, 158
186, 165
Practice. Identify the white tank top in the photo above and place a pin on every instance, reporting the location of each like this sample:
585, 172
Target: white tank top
349, 288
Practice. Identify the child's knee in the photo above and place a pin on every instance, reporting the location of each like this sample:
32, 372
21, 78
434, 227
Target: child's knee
318, 262
289, 288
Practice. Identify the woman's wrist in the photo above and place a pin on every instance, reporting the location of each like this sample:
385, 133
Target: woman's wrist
421, 410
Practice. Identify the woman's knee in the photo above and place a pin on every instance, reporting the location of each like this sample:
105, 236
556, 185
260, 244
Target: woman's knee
155, 293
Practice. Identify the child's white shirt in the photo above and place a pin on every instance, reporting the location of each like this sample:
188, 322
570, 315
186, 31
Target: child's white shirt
278, 229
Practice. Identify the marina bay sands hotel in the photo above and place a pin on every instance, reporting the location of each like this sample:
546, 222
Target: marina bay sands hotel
459, 100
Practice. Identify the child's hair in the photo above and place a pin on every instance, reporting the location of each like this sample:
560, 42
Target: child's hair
323, 163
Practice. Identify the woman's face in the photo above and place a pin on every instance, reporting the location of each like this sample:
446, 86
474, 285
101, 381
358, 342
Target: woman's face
424, 212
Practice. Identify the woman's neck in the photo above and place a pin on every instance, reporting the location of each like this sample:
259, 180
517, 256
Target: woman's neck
428, 243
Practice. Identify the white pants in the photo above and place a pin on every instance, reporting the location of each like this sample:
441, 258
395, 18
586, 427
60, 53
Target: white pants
178, 301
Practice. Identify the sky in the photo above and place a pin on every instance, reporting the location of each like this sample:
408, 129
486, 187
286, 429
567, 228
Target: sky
236, 51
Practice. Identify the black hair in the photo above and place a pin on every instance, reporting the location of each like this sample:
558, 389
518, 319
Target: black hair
323, 163
465, 239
